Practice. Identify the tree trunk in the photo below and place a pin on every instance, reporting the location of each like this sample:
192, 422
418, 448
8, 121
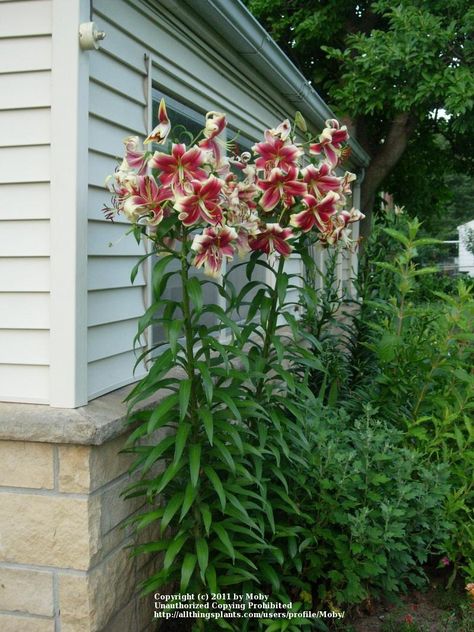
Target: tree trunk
383, 162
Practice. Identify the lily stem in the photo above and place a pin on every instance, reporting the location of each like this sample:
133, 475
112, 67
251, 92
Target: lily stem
272, 322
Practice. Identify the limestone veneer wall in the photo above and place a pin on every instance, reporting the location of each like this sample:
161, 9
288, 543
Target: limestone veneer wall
64, 561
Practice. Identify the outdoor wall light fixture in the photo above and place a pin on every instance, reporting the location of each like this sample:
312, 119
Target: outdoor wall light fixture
89, 36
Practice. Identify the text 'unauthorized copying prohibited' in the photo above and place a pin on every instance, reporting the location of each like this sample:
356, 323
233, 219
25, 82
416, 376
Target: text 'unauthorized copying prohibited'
234, 606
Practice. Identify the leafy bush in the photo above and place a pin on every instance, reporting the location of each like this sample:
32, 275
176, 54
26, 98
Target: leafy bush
413, 362
369, 509
407, 353
425, 291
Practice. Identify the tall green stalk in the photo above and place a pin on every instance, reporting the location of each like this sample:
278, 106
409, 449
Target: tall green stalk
188, 331
271, 325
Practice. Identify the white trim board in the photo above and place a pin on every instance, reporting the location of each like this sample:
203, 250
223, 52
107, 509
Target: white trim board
69, 114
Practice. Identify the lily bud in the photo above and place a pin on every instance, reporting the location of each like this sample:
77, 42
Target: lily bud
300, 122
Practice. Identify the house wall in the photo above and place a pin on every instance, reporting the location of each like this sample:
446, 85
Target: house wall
68, 312
117, 108
25, 136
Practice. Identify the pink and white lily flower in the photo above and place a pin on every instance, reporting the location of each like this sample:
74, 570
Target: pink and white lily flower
247, 225
242, 163
330, 141
124, 181
215, 125
212, 247
274, 152
354, 215
147, 202
317, 212
337, 230
242, 243
202, 202
231, 208
346, 182
134, 157
283, 130
160, 133
280, 186
241, 196
320, 180
246, 228
273, 238
179, 167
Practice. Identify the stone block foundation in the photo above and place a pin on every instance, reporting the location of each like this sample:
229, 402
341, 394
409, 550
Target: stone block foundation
65, 562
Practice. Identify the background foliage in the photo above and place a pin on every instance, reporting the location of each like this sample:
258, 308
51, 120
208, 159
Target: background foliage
402, 75
409, 354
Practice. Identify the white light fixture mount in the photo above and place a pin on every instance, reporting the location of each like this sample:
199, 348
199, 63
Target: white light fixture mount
89, 36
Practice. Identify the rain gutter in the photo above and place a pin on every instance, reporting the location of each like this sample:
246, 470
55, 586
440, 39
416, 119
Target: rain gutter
232, 20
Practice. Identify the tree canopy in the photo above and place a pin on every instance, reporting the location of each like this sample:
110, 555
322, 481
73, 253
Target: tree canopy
400, 75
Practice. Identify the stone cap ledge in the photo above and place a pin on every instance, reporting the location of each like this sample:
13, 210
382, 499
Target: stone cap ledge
102, 420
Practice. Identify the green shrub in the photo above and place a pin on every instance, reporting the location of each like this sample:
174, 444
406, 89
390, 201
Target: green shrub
413, 362
369, 509
425, 291
409, 356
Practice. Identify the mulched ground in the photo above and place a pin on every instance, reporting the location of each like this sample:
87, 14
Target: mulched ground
436, 609
418, 610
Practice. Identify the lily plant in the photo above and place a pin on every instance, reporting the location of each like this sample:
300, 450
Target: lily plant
201, 452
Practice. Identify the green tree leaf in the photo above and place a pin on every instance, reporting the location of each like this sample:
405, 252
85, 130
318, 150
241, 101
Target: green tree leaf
188, 500
194, 463
206, 517
184, 395
170, 510
216, 483
202, 551
173, 549
224, 538
182, 435
195, 293
208, 422
187, 570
